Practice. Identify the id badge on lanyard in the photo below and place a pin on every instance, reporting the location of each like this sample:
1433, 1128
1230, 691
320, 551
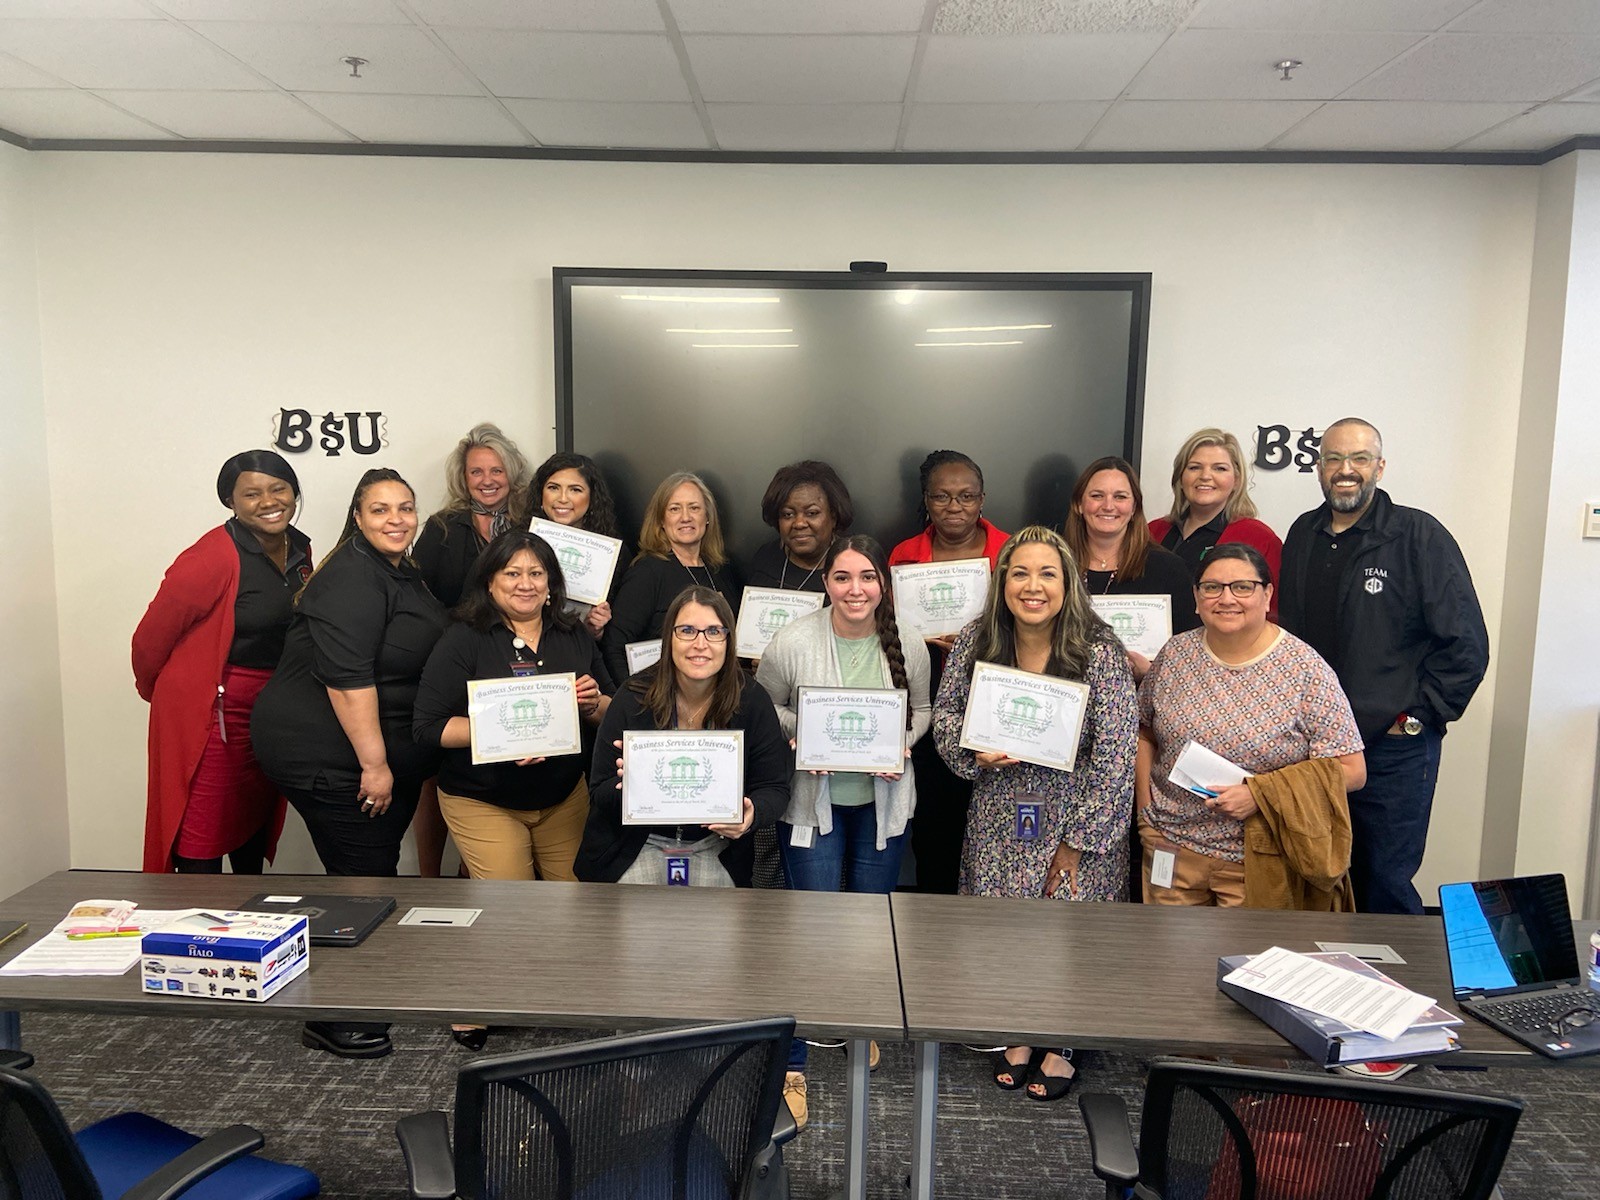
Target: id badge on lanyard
677, 870
1027, 822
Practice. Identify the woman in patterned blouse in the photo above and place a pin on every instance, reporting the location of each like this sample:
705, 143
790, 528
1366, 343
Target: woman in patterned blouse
1032, 830
1242, 688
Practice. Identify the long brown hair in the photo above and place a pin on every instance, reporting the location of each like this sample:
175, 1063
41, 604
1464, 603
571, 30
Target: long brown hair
888, 628
1239, 504
1077, 627
1135, 538
653, 534
659, 684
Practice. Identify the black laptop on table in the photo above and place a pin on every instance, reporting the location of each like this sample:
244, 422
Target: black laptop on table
334, 920
1514, 964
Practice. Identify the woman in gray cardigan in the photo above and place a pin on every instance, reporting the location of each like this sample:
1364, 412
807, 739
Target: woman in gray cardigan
843, 831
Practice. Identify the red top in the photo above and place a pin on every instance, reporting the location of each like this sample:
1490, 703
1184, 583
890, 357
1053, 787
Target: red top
179, 651
1252, 533
919, 549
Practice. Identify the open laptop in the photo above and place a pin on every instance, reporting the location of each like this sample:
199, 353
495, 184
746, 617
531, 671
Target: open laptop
334, 920
1514, 964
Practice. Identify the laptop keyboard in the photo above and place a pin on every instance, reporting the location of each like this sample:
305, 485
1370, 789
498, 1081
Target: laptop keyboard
1535, 1014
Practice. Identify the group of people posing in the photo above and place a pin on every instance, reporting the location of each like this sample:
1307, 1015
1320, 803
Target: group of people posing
1325, 667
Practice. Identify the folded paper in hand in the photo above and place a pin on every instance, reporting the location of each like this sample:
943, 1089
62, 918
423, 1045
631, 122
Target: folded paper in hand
1204, 771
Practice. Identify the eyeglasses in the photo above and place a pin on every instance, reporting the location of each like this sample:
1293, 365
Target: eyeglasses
1576, 1019
1242, 588
1361, 460
715, 634
946, 499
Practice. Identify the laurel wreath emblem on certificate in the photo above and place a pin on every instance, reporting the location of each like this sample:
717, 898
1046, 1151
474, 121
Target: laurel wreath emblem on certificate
1128, 625
1019, 713
943, 598
573, 560
524, 717
851, 729
685, 776
773, 619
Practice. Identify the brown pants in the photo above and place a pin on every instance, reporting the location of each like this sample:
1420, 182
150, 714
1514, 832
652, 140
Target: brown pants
503, 843
1197, 879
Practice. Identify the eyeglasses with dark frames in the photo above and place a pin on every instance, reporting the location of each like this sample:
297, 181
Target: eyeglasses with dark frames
715, 634
1242, 588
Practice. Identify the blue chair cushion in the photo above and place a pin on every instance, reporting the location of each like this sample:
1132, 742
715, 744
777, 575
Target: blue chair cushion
123, 1150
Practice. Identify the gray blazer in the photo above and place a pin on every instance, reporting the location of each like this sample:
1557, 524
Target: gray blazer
803, 653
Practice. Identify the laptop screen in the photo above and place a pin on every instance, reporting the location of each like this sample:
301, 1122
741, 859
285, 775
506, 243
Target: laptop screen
1507, 935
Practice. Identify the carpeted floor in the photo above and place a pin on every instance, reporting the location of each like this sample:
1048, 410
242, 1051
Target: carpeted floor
337, 1117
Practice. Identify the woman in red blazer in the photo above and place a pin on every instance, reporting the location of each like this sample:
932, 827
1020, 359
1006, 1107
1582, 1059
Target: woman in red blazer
206, 647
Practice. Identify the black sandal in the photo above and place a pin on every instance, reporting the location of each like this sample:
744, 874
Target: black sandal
1055, 1086
1020, 1072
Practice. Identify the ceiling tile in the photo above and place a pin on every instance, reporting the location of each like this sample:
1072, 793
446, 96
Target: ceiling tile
1227, 64
1532, 16
252, 116
1001, 127
1195, 124
785, 16
571, 66
627, 126
606, 16
123, 54
988, 17
1349, 16
1392, 125
841, 127
306, 57
61, 113
59, 9
1544, 127
425, 120
799, 70
1094, 66
345, 12
14, 73
1487, 66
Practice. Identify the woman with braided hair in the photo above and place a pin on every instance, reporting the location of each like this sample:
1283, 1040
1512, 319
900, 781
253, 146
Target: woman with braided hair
845, 831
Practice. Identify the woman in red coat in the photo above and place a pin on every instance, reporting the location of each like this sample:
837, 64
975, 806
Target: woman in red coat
206, 647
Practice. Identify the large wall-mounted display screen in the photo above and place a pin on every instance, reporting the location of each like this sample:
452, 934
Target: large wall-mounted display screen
734, 375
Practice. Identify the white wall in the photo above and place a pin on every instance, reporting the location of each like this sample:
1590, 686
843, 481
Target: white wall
33, 808
185, 297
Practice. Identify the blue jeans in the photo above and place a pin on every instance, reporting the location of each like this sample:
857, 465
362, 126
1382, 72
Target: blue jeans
1389, 821
846, 859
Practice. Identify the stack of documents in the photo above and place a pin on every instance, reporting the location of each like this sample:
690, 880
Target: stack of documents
105, 940
1336, 1008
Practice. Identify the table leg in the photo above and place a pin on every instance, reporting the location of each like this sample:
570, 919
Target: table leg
855, 1123
924, 1111
10, 1031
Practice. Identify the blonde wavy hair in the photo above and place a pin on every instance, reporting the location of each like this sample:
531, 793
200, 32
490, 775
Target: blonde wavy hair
518, 473
653, 534
1239, 504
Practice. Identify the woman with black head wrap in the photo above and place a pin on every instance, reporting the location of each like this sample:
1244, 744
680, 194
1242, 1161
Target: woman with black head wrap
206, 647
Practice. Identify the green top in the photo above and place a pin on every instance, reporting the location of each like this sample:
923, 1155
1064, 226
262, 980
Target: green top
860, 666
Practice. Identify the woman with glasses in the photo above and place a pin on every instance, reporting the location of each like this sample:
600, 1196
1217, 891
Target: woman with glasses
953, 528
680, 545
1211, 505
1244, 689
697, 684
1037, 618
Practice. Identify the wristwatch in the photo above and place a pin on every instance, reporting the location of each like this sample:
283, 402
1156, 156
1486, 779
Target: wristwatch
1409, 724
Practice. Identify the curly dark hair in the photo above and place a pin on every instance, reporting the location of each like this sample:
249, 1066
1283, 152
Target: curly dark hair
602, 515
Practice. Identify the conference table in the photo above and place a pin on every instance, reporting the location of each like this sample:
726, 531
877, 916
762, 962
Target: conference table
561, 955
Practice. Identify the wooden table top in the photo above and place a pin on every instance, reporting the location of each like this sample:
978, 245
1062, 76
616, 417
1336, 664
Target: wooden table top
1133, 977
553, 954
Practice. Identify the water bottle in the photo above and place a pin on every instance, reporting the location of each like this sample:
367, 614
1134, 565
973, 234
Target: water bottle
1594, 960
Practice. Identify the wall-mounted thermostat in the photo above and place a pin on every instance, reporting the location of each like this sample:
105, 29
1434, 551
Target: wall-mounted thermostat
1591, 519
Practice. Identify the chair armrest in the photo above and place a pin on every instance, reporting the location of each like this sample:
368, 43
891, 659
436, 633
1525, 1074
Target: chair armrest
783, 1128
1111, 1150
194, 1164
430, 1163
15, 1060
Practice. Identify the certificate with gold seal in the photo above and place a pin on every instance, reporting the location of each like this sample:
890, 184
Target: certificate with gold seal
682, 777
937, 599
1033, 718
1142, 624
532, 716
850, 729
588, 560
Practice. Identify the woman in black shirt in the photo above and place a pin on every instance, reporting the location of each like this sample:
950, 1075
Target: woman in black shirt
809, 506
570, 490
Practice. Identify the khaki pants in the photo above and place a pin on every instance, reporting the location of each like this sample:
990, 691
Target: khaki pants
503, 843
1197, 879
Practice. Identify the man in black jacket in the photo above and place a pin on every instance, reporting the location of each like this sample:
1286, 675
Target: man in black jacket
1383, 594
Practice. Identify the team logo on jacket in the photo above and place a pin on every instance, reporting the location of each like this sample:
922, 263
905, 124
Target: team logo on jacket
1373, 585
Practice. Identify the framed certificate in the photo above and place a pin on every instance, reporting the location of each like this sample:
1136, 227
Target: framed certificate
850, 729
1033, 718
1142, 623
588, 560
682, 777
532, 716
764, 611
642, 654
937, 599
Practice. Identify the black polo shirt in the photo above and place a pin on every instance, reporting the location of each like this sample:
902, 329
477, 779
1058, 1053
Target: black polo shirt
265, 600
1194, 548
1327, 564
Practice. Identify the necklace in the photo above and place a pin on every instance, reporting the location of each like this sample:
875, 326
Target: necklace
784, 574
856, 650
1105, 591
710, 583
692, 716
519, 643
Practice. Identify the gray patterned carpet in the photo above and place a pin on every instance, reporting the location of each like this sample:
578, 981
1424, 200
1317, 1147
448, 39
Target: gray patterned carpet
338, 1117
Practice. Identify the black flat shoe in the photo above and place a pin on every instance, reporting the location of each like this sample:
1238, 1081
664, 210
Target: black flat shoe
470, 1039
345, 1043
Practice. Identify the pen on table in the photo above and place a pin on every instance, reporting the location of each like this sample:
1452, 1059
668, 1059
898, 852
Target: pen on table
81, 935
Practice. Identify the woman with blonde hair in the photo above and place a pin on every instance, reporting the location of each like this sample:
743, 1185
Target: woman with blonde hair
1211, 504
1035, 831
680, 545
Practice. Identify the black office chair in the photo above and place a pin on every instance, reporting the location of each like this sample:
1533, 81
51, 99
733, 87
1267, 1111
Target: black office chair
1229, 1133
682, 1114
127, 1157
